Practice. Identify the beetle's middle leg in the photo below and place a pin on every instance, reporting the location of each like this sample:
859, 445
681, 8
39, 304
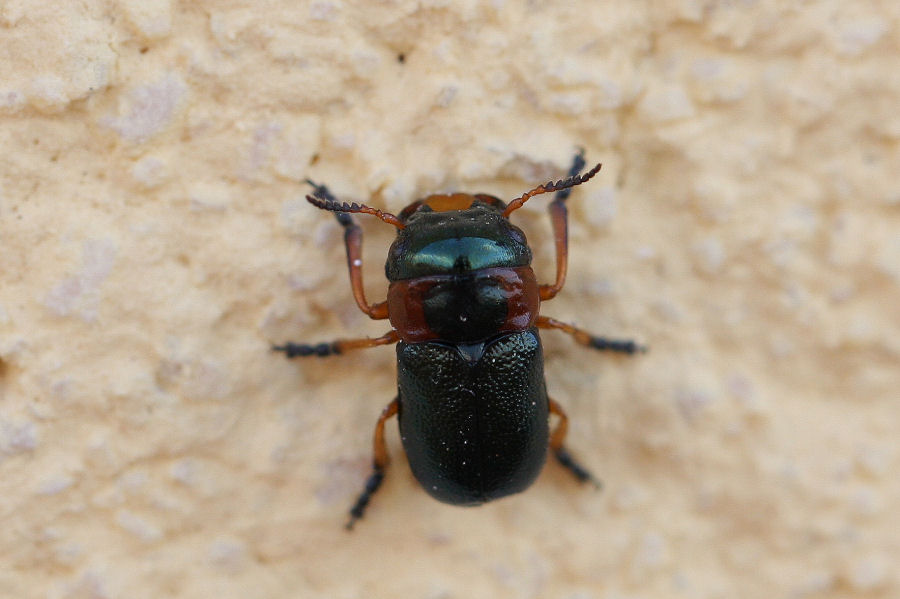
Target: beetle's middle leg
623, 346
353, 243
294, 350
559, 217
557, 438
379, 463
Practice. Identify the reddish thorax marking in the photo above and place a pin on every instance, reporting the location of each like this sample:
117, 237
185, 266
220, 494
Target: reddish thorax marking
454, 201
406, 302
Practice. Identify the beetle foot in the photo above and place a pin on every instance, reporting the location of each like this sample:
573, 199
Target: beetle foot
374, 481
294, 350
623, 346
321, 191
577, 166
581, 473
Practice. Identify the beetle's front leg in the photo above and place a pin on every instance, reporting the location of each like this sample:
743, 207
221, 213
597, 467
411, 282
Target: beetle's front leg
559, 218
623, 346
321, 350
353, 244
379, 464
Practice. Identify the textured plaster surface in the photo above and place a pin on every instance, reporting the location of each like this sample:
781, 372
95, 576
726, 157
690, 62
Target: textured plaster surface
154, 241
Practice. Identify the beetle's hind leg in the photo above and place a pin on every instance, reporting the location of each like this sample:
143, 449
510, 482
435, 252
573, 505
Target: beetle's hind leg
622, 346
380, 462
321, 350
557, 438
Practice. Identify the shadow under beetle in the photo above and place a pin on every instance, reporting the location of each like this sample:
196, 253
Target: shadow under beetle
464, 304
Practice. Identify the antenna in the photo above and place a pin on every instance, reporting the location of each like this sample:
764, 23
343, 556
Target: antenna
550, 186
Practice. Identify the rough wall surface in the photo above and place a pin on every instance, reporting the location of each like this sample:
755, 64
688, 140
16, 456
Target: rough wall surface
154, 242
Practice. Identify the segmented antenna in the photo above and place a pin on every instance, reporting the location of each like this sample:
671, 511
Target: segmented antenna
550, 186
334, 206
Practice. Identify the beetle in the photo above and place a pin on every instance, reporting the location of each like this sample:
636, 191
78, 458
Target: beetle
464, 303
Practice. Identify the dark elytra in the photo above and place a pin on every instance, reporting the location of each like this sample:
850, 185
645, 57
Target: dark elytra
474, 431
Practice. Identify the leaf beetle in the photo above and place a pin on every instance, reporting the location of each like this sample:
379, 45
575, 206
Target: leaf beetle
464, 303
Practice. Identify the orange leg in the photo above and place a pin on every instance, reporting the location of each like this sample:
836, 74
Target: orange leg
557, 438
293, 350
353, 243
380, 462
559, 217
624, 346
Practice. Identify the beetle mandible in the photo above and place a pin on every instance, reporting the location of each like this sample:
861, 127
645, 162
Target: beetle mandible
463, 303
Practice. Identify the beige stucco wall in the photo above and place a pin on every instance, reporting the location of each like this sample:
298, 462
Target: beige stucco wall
154, 241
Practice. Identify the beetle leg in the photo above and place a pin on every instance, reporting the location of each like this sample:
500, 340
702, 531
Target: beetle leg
380, 462
293, 350
559, 217
624, 346
353, 243
562, 454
